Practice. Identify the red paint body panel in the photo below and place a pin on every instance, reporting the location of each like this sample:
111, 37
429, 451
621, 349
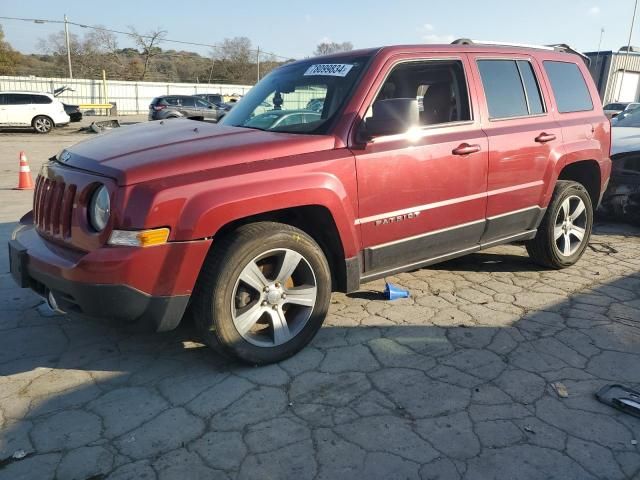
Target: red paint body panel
195, 177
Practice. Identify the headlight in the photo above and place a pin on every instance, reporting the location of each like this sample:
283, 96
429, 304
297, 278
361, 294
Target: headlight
99, 209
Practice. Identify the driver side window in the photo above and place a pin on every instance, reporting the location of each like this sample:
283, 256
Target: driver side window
438, 85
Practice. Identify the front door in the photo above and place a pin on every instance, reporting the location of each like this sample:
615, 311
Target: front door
422, 195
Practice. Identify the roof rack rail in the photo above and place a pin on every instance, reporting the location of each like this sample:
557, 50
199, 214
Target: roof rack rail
559, 47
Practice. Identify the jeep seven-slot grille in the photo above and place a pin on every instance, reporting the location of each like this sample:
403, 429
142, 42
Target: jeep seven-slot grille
53, 206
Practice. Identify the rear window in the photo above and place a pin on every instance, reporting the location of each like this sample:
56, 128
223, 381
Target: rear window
615, 106
511, 88
569, 87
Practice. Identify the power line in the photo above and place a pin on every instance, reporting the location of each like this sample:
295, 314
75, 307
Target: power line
182, 42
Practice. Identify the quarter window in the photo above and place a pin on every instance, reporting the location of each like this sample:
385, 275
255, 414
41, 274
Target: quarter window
510, 88
40, 99
531, 88
569, 88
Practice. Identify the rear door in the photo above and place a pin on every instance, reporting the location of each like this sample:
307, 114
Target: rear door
19, 109
524, 142
585, 129
189, 108
422, 195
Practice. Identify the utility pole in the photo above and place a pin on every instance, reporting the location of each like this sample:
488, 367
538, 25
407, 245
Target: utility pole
258, 63
66, 36
599, 45
626, 58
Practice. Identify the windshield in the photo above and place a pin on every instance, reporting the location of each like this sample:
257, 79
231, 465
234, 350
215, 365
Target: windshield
303, 97
630, 120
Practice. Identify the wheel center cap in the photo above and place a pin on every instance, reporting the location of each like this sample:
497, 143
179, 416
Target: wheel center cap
274, 295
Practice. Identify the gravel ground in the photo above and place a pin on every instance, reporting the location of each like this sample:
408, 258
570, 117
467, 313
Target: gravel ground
465, 379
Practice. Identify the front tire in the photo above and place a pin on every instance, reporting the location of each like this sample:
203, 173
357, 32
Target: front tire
565, 230
42, 124
263, 293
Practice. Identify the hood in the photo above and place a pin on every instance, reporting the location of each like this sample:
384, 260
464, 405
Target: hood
625, 139
152, 150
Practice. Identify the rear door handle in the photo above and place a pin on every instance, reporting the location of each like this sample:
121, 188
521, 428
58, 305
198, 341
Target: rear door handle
465, 149
545, 137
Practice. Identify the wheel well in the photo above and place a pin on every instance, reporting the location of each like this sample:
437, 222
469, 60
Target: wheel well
587, 173
317, 222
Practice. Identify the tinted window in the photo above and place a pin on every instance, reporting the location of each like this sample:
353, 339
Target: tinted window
40, 99
202, 103
188, 102
569, 88
531, 88
615, 106
3, 99
503, 88
439, 87
18, 99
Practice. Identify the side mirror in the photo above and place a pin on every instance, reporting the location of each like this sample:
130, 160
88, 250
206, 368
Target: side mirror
393, 116
210, 107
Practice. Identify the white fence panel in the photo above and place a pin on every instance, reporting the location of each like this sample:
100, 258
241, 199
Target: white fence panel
130, 97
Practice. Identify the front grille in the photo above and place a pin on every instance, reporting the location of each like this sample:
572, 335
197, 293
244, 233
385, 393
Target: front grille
53, 206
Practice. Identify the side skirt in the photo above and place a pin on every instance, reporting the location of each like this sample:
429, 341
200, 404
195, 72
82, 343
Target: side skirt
527, 235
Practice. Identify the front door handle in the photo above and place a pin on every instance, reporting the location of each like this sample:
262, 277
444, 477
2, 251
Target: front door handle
465, 149
545, 137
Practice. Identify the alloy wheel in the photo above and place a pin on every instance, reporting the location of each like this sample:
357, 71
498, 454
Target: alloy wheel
570, 226
274, 297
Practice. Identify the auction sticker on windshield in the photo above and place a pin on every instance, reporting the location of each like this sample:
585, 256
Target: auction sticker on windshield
330, 69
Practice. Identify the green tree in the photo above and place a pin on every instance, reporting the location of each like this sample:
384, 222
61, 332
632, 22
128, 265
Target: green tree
9, 58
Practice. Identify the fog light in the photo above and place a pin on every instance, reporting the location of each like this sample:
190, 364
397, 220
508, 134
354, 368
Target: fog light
139, 238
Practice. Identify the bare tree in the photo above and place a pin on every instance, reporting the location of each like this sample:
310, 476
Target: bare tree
148, 45
327, 48
235, 60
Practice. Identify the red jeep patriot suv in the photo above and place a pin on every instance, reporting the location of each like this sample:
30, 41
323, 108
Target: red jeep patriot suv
411, 155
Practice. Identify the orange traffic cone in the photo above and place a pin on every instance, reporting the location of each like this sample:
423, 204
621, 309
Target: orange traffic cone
25, 182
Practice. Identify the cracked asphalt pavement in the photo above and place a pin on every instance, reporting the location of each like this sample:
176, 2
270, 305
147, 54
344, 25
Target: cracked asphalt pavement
460, 381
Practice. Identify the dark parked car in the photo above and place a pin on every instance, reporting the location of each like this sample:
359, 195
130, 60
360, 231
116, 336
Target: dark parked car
182, 106
622, 197
75, 115
281, 118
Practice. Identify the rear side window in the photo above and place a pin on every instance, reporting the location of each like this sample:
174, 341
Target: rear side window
40, 99
511, 88
188, 102
18, 99
569, 87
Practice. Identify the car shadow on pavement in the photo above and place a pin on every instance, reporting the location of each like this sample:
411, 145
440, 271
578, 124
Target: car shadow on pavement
460, 380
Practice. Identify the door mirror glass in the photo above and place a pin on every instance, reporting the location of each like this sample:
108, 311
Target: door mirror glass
393, 116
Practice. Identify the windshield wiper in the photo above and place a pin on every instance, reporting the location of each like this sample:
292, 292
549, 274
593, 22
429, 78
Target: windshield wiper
252, 128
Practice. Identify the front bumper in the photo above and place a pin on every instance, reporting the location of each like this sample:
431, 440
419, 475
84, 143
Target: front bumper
148, 287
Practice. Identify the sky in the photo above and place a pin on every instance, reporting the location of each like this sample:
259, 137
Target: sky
293, 29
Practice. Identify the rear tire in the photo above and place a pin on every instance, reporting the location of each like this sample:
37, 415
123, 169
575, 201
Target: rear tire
565, 230
263, 293
42, 124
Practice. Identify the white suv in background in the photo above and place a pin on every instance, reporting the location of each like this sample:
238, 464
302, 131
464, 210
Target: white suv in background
41, 111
